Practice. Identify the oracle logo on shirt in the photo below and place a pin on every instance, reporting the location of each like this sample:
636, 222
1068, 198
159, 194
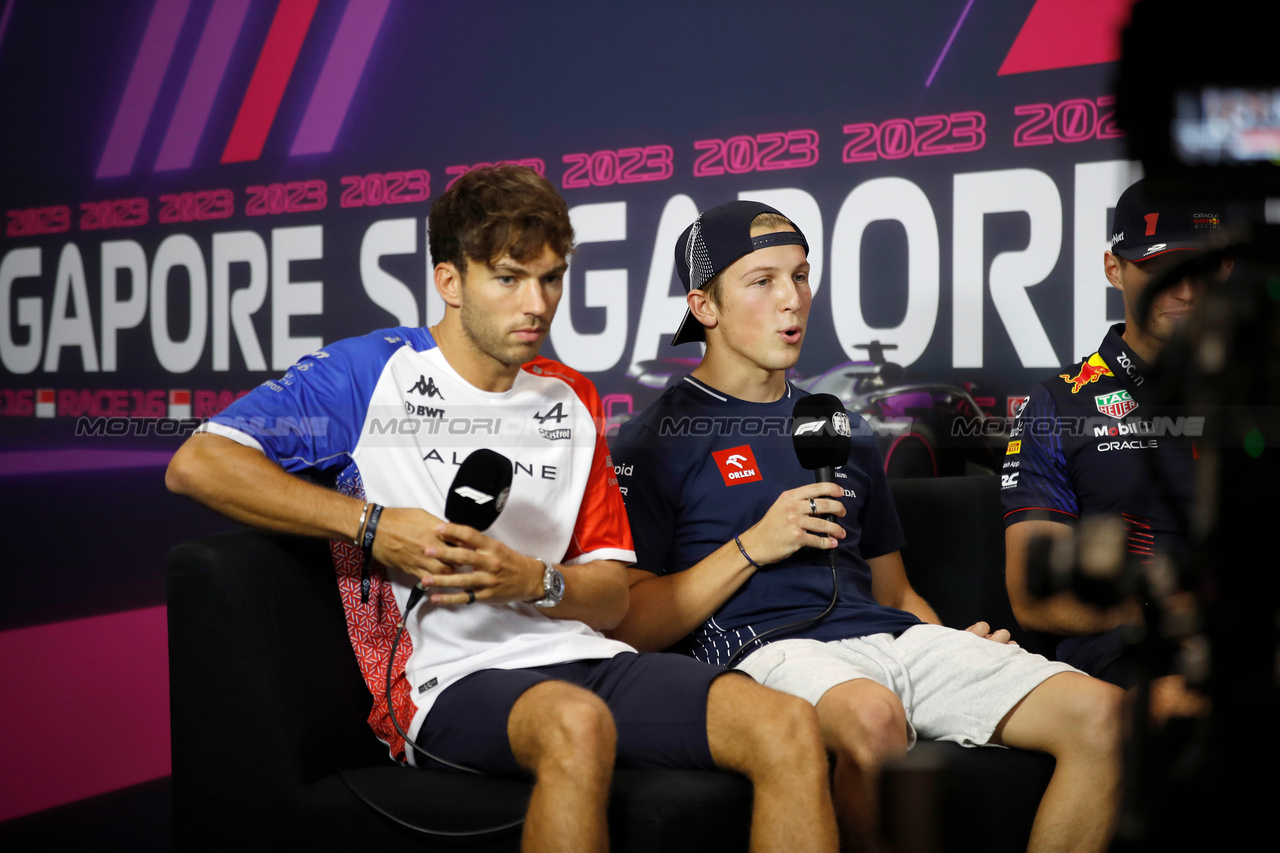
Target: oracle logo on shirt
737, 465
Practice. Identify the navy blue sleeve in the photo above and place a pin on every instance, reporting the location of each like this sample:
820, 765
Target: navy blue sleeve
881, 532
644, 476
1034, 480
312, 416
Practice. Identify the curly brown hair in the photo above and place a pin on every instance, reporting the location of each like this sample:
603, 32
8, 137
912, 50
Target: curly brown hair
496, 211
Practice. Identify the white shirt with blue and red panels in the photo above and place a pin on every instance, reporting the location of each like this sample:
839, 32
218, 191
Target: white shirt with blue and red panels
385, 418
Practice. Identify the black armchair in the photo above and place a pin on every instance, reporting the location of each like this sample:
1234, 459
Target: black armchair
267, 704
942, 796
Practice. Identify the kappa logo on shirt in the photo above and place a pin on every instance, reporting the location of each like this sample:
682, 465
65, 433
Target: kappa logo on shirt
737, 465
426, 387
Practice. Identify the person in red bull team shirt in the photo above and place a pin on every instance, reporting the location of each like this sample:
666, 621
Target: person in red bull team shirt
1082, 443
732, 544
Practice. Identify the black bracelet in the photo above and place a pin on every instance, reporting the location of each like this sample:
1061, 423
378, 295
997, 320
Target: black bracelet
370, 530
744, 552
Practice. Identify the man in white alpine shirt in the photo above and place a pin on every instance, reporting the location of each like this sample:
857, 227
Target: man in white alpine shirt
503, 667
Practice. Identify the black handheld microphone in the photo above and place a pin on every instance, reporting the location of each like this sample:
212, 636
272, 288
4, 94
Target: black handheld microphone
480, 489
476, 497
821, 433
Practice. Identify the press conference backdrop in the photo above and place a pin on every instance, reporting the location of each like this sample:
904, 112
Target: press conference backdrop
197, 193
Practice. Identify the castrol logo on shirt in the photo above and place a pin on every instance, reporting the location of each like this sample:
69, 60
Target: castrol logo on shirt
737, 465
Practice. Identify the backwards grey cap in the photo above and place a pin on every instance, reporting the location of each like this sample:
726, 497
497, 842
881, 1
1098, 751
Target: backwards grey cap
713, 242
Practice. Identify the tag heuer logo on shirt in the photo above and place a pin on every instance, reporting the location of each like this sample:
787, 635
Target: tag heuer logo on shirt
1117, 404
737, 465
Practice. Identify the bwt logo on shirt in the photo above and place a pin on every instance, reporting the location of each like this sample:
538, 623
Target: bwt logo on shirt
737, 465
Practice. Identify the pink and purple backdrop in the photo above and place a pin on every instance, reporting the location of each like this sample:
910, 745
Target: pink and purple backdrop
197, 193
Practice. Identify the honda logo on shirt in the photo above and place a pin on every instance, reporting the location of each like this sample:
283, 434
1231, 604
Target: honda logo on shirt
737, 465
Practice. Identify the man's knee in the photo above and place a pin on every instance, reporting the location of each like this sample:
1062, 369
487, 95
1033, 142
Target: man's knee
1099, 716
1086, 716
787, 723
754, 728
558, 724
864, 724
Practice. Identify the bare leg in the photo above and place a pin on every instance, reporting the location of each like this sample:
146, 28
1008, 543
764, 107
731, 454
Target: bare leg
774, 740
565, 736
864, 724
1077, 720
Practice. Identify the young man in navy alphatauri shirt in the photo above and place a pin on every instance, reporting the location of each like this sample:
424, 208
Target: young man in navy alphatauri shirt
728, 534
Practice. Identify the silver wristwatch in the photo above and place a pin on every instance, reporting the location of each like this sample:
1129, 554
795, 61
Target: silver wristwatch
552, 586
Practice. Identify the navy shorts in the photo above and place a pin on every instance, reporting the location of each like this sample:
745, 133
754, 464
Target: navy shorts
658, 702
1104, 656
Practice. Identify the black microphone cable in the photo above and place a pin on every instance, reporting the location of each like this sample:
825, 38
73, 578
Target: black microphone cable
476, 497
395, 643
820, 432
414, 597
468, 503
799, 623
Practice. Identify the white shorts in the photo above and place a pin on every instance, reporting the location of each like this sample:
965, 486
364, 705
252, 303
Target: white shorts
953, 685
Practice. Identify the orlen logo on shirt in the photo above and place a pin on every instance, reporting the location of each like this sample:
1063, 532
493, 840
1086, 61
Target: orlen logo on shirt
737, 465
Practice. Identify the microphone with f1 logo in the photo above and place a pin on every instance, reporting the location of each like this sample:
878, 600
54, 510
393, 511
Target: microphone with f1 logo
479, 491
821, 433
476, 497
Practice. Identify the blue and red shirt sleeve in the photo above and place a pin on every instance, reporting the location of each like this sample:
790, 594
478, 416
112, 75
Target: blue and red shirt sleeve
1035, 481
601, 531
312, 416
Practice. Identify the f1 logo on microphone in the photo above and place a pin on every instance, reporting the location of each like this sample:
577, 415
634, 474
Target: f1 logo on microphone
737, 465
473, 494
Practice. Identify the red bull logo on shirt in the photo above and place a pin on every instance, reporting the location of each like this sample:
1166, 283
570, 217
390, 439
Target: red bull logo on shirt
1092, 368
